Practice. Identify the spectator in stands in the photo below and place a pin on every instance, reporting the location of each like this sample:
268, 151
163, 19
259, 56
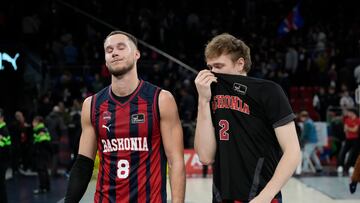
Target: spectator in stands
291, 60
332, 98
26, 140
74, 131
5, 142
320, 104
309, 140
41, 154
346, 101
351, 143
357, 74
55, 123
20, 142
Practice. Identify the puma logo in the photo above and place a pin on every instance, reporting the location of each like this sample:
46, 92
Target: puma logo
106, 127
6, 57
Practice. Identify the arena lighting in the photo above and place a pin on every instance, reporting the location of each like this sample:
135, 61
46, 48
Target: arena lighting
6, 57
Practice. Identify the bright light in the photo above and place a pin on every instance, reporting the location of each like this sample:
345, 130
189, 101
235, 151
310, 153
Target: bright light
6, 57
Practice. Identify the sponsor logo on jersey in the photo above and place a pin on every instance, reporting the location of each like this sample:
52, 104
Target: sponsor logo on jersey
229, 102
125, 144
239, 88
106, 115
137, 118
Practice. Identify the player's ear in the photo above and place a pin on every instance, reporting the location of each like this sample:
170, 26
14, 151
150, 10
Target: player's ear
239, 65
137, 54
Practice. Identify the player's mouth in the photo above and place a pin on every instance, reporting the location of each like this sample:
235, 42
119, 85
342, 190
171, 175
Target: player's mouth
116, 60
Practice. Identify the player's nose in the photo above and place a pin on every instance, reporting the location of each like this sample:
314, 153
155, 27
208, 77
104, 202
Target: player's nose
115, 54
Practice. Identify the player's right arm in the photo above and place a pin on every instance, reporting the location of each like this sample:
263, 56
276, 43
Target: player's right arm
81, 171
205, 143
88, 145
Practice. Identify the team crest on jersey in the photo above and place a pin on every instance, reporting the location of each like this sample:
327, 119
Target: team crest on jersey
106, 115
137, 118
239, 88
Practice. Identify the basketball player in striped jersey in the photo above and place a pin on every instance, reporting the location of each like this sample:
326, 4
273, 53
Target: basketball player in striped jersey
136, 130
244, 127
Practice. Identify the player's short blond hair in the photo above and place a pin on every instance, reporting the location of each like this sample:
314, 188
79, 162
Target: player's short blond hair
228, 44
131, 37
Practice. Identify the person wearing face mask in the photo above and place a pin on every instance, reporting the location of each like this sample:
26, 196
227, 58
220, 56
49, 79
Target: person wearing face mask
244, 127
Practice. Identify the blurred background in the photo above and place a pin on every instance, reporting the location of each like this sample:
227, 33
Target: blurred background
52, 58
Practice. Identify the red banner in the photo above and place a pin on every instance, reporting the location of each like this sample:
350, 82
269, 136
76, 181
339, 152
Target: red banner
194, 168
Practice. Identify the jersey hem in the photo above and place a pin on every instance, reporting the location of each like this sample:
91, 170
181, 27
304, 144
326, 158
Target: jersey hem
287, 119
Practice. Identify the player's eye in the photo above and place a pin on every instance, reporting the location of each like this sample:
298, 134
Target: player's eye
121, 47
218, 66
109, 50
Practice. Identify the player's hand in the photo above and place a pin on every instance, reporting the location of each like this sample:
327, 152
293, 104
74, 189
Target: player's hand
203, 81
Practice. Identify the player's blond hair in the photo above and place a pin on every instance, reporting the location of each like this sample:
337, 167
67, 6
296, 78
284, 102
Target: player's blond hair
130, 36
228, 44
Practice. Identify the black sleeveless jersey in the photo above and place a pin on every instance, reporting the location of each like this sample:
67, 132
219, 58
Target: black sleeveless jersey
245, 111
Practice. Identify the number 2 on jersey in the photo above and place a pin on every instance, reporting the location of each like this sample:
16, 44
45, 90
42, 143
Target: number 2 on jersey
123, 168
224, 124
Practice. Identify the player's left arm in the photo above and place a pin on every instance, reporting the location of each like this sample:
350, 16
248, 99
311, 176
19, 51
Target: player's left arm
288, 140
172, 137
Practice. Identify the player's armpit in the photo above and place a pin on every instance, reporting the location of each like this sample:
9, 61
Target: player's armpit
172, 136
87, 146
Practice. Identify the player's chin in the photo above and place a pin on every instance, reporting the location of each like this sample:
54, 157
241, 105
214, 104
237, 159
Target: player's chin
119, 70
116, 67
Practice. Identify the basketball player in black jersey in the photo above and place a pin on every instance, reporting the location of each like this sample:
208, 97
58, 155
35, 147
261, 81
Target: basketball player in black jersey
252, 141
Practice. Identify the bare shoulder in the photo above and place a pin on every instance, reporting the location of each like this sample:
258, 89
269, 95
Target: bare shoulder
87, 101
88, 145
165, 95
167, 104
85, 113
166, 99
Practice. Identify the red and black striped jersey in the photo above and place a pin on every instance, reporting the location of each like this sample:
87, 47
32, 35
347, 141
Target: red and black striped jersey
132, 159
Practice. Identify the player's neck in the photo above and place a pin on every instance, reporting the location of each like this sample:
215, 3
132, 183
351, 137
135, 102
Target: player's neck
125, 85
236, 72
243, 72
